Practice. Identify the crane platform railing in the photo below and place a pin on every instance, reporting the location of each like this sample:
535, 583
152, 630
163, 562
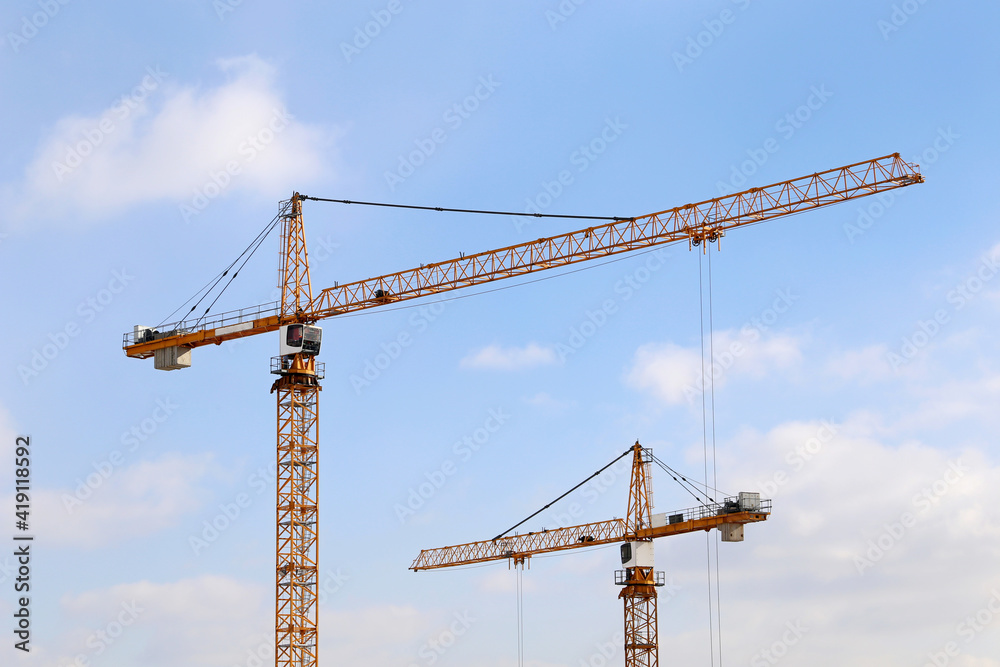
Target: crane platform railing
243, 316
712, 509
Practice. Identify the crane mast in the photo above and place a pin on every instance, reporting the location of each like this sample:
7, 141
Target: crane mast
639, 580
297, 389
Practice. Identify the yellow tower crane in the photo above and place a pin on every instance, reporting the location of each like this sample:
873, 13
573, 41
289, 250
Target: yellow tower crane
636, 531
299, 374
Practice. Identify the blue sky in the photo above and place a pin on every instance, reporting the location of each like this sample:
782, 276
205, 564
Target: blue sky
146, 144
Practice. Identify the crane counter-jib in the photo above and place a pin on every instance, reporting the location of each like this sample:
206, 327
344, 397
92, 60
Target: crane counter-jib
705, 221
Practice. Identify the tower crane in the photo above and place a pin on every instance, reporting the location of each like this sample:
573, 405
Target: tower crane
299, 374
636, 533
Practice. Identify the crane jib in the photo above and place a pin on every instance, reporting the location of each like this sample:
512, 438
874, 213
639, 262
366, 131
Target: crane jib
703, 222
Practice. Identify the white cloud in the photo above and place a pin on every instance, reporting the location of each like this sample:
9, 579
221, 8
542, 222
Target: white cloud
130, 502
838, 489
970, 661
504, 581
384, 635
756, 356
674, 374
668, 370
869, 364
950, 402
209, 620
495, 357
165, 141
949, 381
213, 620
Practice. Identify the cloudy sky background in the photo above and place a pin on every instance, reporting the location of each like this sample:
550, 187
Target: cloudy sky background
146, 145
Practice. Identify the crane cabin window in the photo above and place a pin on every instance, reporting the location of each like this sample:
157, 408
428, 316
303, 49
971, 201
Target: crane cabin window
293, 337
312, 339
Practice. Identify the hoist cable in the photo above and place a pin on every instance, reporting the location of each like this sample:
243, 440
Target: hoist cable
704, 435
715, 470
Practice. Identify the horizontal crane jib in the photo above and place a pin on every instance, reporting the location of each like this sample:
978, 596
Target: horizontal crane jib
543, 541
706, 220
700, 222
705, 517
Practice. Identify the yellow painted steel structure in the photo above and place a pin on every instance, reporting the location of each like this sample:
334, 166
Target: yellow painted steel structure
297, 544
298, 386
705, 221
297, 575
641, 634
639, 583
639, 592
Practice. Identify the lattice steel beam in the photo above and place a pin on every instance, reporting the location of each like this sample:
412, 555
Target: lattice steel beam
297, 546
